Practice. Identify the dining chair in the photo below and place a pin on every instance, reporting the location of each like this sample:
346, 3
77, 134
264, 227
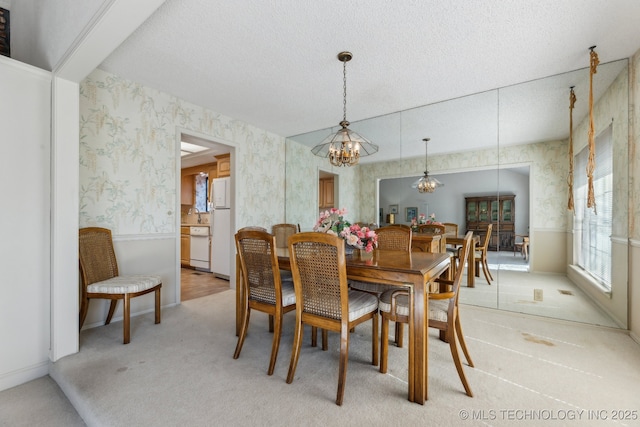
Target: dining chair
481, 256
451, 229
443, 315
282, 233
324, 300
263, 289
100, 278
394, 238
431, 228
521, 246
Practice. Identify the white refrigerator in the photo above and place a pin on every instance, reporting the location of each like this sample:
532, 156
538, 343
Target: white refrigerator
221, 227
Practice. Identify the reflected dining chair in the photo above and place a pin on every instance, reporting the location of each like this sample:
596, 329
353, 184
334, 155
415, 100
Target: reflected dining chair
100, 278
263, 290
323, 299
481, 256
521, 246
443, 315
431, 228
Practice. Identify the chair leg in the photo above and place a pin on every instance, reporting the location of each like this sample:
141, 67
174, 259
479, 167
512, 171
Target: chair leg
276, 343
158, 313
463, 344
453, 345
374, 341
295, 351
84, 309
314, 336
325, 340
485, 269
344, 361
112, 309
384, 344
244, 325
127, 318
271, 323
399, 334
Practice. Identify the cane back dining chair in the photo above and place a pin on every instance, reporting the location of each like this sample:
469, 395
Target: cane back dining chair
431, 228
282, 233
100, 278
393, 238
323, 299
263, 289
443, 315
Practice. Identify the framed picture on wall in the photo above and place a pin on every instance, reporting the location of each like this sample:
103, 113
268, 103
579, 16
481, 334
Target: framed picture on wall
393, 209
411, 213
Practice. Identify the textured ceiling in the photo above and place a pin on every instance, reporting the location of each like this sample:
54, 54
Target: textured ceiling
273, 64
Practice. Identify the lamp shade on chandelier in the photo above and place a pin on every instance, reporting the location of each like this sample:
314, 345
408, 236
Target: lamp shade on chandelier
345, 147
427, 184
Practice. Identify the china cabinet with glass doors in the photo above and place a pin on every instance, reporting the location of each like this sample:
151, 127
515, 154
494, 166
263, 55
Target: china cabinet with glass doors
498, 210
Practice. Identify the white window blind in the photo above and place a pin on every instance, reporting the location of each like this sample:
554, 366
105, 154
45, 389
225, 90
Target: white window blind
593, 231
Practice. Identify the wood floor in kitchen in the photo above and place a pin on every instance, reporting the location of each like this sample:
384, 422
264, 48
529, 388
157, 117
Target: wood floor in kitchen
196, 284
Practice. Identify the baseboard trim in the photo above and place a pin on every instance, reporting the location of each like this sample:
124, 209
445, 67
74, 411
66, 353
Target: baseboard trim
21, 376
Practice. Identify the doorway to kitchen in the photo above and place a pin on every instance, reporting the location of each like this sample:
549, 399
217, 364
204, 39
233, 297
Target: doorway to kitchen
205, 250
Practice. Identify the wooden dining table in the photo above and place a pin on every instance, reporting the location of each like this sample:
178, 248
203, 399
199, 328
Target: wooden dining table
415, 270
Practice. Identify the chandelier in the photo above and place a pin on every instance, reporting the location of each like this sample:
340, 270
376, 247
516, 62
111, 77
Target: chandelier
427, 184
345, 147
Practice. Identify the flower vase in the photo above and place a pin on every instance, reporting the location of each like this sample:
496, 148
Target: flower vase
364, 255
348, 250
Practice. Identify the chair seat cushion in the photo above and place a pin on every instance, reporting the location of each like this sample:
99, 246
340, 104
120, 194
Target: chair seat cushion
288, 293
437, 308
361, 303
267, 294
402, 303
376, 288
124, 284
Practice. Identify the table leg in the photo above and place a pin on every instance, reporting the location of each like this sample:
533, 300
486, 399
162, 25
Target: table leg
471, 270
418, 342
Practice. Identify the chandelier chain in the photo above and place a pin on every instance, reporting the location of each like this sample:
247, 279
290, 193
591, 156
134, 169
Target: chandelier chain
344, 90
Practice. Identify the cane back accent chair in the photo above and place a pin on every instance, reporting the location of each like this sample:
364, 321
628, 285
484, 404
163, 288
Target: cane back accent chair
324, 300
443, 315
263, 289
100, 278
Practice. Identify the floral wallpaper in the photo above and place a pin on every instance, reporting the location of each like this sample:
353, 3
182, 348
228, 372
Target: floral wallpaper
128, 155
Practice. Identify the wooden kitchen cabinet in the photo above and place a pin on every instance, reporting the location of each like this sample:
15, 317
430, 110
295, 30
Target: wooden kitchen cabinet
185, 247
187, 187
224, 165
325, 192
498, 210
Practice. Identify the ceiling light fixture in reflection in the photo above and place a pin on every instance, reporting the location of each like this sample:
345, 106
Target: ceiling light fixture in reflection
427, 184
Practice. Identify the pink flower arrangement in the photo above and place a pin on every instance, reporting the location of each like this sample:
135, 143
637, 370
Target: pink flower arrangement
333, 222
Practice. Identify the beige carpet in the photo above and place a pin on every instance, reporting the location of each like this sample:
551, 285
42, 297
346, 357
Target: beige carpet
181, 373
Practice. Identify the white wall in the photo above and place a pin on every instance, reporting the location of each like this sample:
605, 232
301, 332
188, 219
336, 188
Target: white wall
25, 115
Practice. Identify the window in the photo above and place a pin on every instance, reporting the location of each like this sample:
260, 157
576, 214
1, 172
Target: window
592, 232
